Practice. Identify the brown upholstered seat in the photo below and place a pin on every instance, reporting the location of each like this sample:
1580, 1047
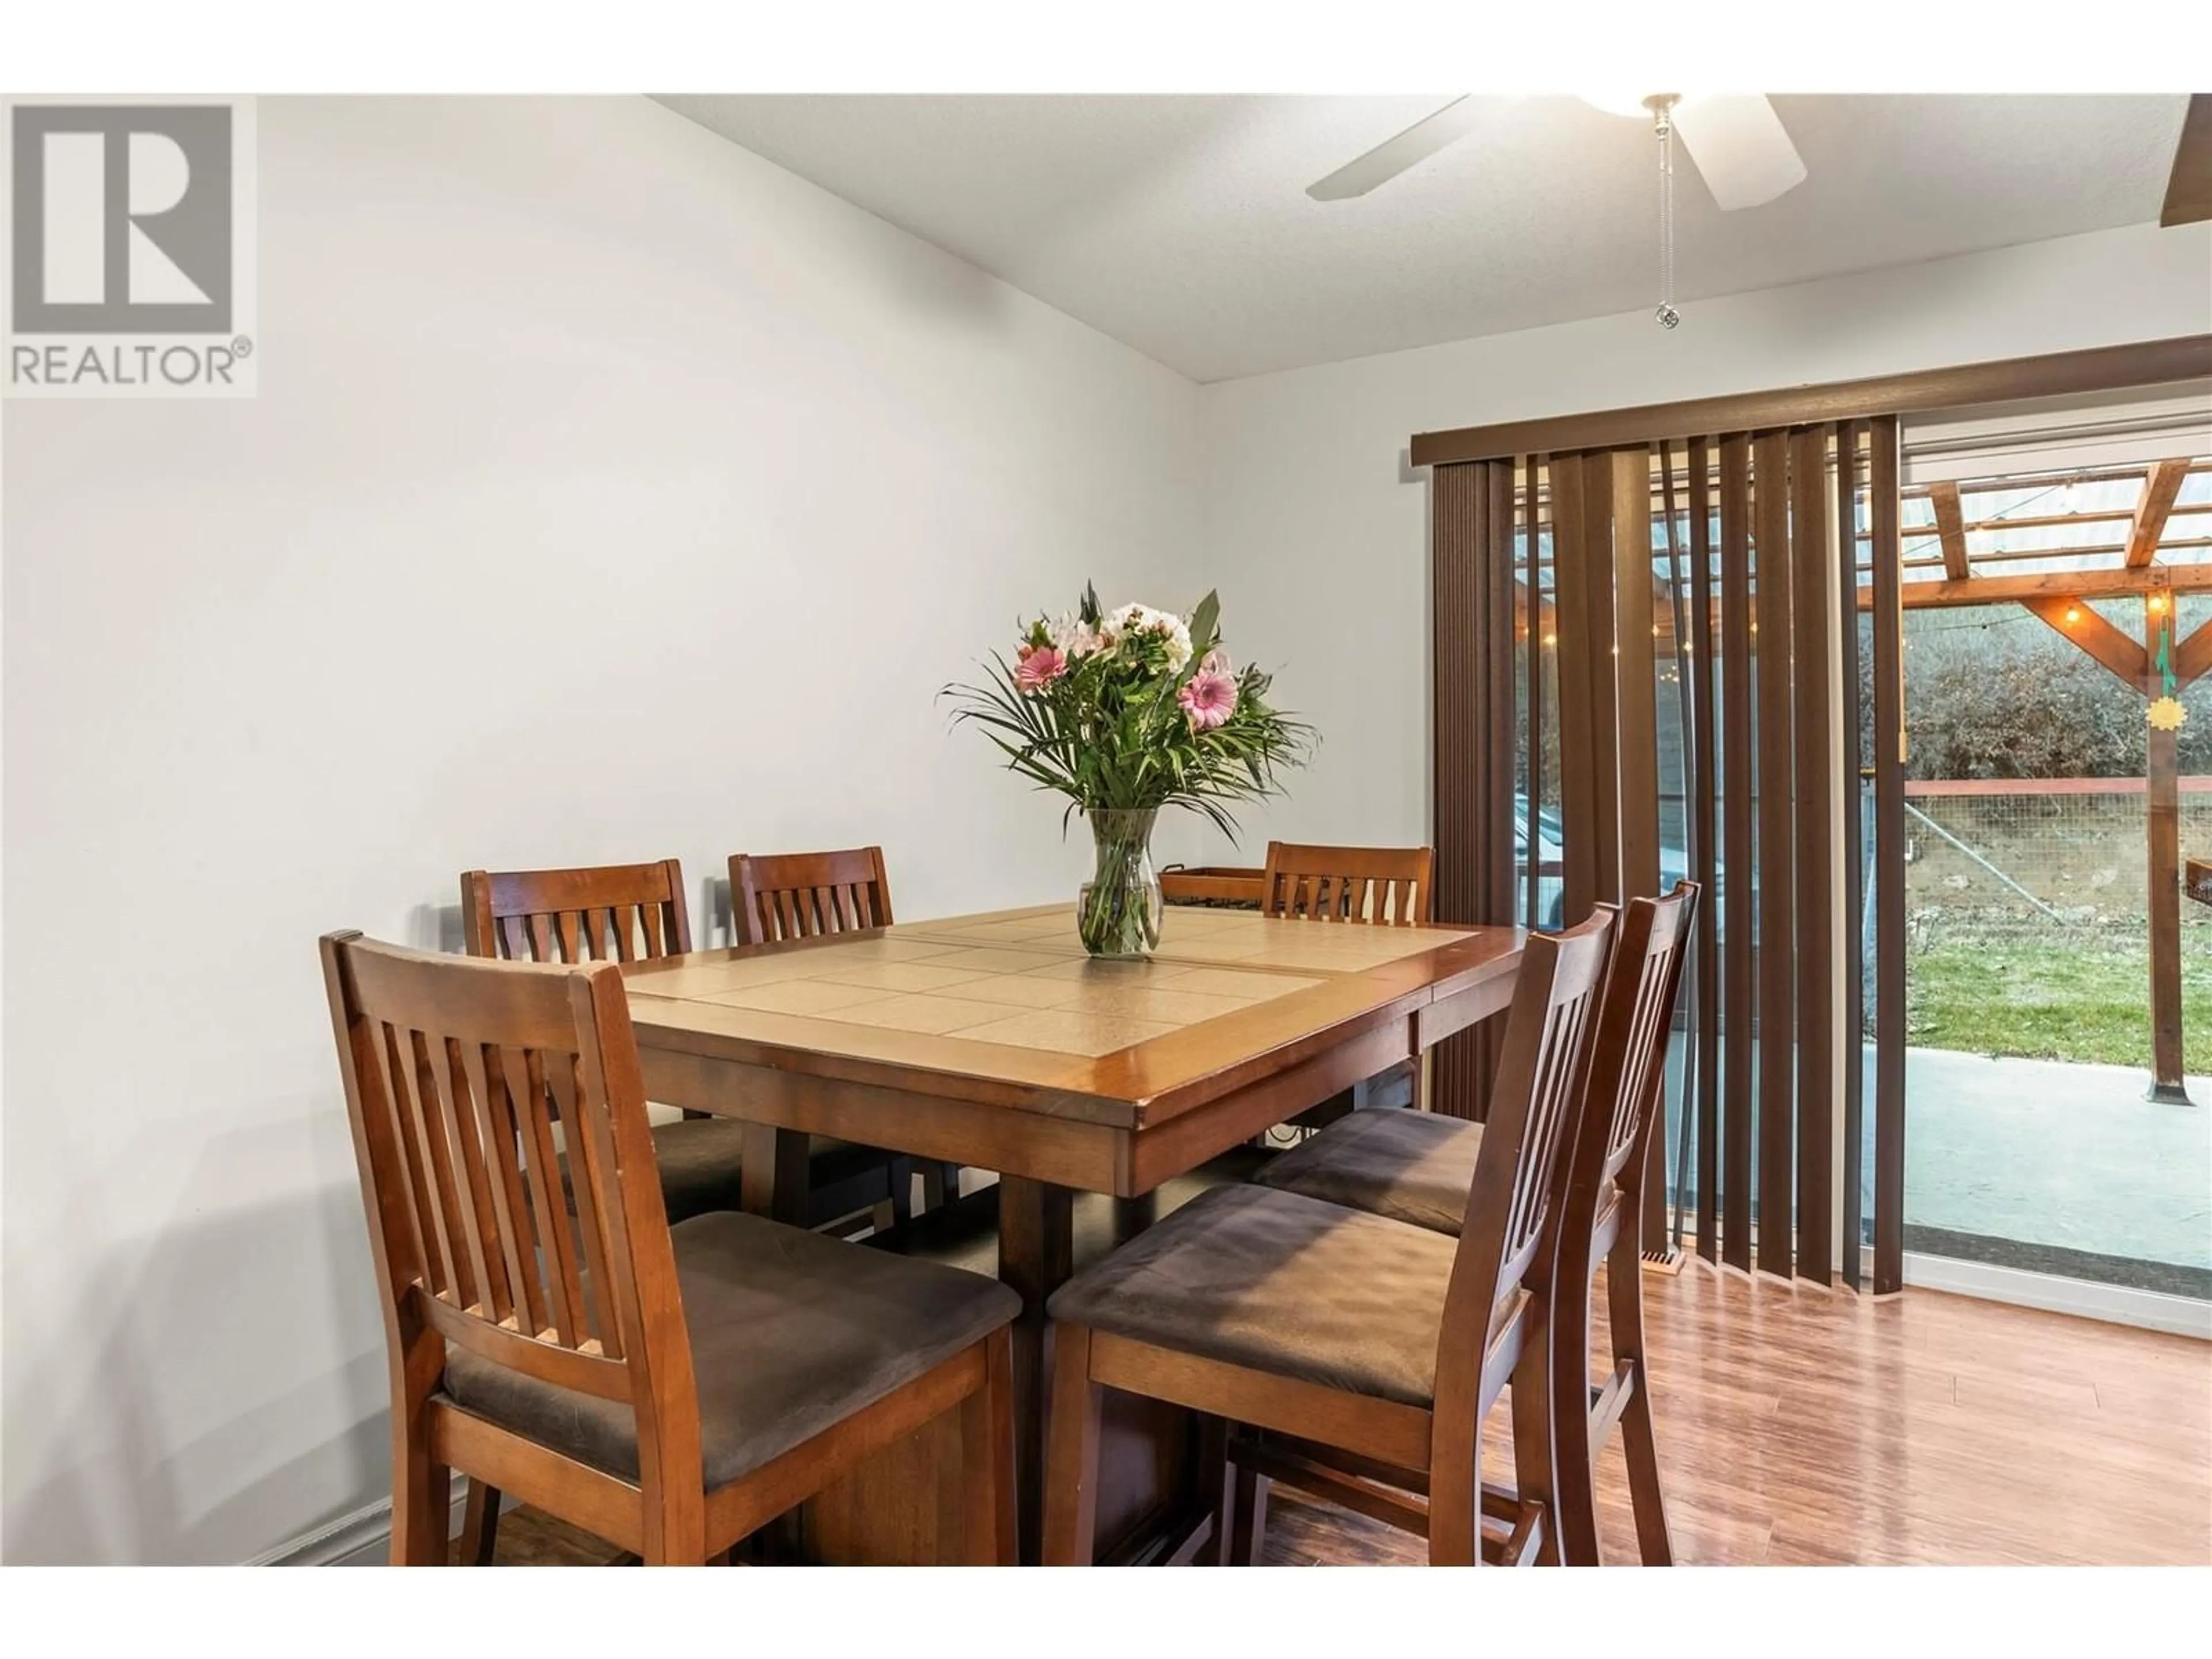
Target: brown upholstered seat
1280, 1283
790, 1332
1415, 1167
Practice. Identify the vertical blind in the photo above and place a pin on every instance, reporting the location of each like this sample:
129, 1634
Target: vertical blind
1648, 667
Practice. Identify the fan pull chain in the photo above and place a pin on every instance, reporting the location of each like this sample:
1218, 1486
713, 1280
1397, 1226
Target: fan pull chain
1664, 120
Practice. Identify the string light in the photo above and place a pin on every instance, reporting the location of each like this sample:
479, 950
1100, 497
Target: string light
2074, 613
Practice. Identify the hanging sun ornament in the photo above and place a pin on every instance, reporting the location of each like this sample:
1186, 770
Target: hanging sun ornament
2166, 712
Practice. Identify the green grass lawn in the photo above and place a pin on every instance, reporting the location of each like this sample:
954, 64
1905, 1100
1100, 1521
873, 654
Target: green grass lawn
2052, 1000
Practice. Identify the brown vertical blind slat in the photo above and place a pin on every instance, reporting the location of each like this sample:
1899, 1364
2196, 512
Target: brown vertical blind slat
1704, 783
1656, 1233
1849, 763
1533, 655
1814, 797
1571, 578
1636, 745
1636, 676
1456, 545
1604, 751
1739, 986
1889, 860
1777, 870
1493, 785
1497, 803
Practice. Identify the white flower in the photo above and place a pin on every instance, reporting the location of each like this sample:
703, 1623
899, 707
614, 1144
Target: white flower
1142, 618
1074, 637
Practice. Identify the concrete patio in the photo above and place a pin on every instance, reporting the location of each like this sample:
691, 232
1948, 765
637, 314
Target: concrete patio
2055, 1154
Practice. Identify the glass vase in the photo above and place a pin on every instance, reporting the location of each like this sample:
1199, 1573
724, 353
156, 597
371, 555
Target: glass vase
1117, 911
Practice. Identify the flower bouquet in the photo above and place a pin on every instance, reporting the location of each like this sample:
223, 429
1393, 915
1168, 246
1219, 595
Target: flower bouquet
1125, 712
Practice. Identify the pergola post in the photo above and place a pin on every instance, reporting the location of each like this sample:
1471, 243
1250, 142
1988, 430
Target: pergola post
2162, 823
2134, 663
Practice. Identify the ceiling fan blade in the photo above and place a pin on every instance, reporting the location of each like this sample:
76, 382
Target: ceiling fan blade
1741, 147
1394, 156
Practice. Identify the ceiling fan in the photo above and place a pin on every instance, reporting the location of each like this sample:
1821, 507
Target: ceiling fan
1737, 140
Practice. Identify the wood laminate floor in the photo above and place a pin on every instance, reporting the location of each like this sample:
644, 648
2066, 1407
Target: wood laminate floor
1798, 1426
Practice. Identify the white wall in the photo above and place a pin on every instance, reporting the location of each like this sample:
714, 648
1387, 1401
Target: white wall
611, 494
1316, 526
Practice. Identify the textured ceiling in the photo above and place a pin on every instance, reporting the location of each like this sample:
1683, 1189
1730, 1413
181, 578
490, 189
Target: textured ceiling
1180, 225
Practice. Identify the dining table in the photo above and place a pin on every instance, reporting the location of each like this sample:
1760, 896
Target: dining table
994, 1042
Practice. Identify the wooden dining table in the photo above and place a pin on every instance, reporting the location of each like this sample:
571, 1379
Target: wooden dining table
994, 1042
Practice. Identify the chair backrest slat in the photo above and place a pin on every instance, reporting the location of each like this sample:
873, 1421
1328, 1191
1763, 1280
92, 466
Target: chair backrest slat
1388, 885
456, 1071
502, 1180
591, 1225
478, 1223
526, 1300
1543, 1066
776, 897
596, 912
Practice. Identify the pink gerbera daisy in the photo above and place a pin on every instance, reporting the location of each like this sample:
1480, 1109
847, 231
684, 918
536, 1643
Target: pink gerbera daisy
1208, 698
1038, 666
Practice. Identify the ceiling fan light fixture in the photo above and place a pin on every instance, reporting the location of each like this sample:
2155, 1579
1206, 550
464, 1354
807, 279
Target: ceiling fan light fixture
1638, 104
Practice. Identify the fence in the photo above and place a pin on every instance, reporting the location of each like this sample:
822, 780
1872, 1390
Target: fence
2003, 856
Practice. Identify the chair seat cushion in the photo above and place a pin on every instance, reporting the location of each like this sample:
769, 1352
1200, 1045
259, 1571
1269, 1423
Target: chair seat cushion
790, 1332
700, 1168
1280, 1283
1414, 1167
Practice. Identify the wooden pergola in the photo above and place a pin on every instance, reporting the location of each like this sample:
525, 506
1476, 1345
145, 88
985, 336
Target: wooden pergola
2142, 533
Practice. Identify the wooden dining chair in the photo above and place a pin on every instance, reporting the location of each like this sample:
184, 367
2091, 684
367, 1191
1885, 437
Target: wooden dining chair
670, 1388
632, 913
1376, 885
780, 895
1388, 885
1418, 1168
775, 896
1385, 1343
1602, 1222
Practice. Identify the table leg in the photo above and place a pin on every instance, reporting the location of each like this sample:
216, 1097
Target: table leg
772, 1181
1133, 1215
1036, 1256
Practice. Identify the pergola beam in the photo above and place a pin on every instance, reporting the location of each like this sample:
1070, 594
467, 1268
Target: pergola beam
2160, 488
2065, 585
1951, 528
2193, 655
2075, 622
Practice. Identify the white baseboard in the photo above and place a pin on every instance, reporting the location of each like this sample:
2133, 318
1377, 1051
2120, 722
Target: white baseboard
363, 1538
2117, 1304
